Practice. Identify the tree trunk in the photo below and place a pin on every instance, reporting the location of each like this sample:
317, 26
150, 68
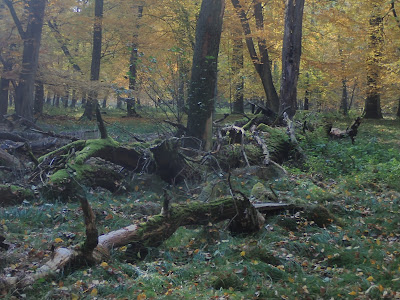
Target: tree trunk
261, 61
48, 97
31, 37
74, 100
39, 97
398, 109
130, 104
91, 103
237, 66
376, 39
291, 53
65, 98
4, 86
204, 71
344, 102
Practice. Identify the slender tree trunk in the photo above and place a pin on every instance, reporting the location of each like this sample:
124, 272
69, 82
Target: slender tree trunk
398, 109
237, 66
130, 104
74, 100
57, 101
92, 102
204, 71
376, 39
4, 87
83, 100
291, 53
344, 102
39, 97
261, 61
31, 37
65, 98
48, 97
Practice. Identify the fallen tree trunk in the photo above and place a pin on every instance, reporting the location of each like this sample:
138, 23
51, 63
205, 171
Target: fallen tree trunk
151, 233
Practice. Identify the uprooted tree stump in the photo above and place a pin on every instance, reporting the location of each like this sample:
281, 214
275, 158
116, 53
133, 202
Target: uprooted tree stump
92, 163
151, 233
336, 133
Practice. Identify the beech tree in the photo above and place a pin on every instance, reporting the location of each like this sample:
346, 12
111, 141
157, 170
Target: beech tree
376, 40
92, 102
291, 53
204, 71
261, 61
31, 37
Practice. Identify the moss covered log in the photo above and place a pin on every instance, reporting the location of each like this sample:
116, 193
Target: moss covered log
151, 233
91, 163
14, 195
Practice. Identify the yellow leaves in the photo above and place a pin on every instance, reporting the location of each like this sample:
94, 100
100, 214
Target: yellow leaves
104, 264
243, 253
378, 242
370, 278
196, 251
58, 240
94, 292
74, 297
136, 188
141, 296
353, 293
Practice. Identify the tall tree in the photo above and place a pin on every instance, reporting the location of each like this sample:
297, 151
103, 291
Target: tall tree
261, 60
376, 39
31, 37
92, 102
291, 53
133, 61
237, 66
204, 71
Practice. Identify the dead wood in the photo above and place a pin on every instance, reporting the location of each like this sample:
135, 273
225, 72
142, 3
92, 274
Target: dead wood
53, 134
172, 166
292, 135
152, 233
336, 133
8, 160
14, 195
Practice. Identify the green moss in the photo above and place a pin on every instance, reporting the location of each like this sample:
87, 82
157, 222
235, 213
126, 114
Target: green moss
92, 147
78, 145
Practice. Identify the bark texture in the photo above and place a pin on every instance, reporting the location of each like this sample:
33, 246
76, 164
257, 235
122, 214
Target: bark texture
30, 57
204, 71
90, 106
376, 40
291, 53
261, 61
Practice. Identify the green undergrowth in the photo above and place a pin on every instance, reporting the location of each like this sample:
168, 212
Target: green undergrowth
356, 256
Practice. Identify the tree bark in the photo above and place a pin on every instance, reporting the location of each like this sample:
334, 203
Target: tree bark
261, 61
291, 53
376, 39
204, 71
237, 66
39, 97
91, 103
31, 37
4, 86
344, 102
130, 104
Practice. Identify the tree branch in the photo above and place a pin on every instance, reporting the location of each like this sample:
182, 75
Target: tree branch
17, 21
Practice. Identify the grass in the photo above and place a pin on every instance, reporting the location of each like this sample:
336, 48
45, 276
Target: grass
356, 257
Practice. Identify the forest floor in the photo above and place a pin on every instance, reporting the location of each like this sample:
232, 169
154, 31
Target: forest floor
356, 257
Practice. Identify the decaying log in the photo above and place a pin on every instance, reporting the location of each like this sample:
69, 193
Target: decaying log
14, 195
152, 233
351, 132
8, 160
172, 165
292, 136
